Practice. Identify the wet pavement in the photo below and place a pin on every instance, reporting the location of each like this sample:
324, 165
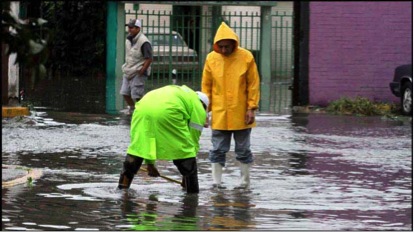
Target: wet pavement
10, 173
311, 172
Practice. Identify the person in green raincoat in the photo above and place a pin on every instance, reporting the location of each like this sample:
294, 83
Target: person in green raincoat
166, 125
231, 81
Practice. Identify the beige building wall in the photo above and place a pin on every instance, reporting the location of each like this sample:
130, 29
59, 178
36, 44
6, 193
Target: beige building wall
151, 19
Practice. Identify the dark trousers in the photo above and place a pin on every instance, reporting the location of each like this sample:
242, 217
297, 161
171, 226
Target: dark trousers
187, 168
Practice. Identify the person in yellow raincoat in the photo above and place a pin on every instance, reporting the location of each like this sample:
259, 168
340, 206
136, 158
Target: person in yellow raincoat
166, 125
231, 81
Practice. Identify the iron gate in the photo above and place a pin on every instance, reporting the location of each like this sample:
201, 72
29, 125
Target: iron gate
181, 41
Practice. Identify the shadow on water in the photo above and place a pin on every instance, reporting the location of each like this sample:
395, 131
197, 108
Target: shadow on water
311, 172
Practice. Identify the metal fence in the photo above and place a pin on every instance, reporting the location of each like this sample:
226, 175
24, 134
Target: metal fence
182, 41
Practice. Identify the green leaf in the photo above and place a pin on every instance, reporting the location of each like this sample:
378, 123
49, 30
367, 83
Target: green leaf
41, 21
35, 47
42, 71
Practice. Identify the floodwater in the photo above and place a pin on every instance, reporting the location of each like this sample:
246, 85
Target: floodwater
311, 172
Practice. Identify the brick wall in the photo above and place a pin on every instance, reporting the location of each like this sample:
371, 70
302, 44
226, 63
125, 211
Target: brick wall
354, 48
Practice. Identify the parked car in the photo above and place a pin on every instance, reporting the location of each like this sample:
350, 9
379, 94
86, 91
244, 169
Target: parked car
402, 87
170, 51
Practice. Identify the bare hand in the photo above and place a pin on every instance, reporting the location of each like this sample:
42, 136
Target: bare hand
249, 117
152, 170
141, 72
207, 122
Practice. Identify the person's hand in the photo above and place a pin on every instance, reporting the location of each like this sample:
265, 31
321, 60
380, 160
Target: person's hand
249, 117
152, 170
141, 72
207, 122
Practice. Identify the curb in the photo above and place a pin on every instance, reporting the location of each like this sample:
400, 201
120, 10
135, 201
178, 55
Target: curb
13, 111
27, 178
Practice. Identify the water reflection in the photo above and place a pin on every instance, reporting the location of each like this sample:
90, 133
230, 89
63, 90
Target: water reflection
152, 214
231, 210
298, 163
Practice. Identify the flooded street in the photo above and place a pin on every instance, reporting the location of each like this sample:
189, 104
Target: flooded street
311, 172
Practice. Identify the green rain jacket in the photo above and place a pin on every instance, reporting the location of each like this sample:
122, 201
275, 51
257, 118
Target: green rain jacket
167, 124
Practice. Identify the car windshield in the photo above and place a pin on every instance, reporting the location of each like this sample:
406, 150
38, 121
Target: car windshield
162, 40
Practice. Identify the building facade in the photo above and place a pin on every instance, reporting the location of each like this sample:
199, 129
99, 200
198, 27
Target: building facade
354, 48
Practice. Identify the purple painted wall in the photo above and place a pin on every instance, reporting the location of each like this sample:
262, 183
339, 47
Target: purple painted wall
354, 48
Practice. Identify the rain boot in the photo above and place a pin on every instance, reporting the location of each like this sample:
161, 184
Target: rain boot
124, 181
191, 183
244, 176
130, 167
183, 184
217, 171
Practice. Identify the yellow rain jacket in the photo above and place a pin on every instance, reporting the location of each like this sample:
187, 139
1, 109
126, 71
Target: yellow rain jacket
231, 82
167, 124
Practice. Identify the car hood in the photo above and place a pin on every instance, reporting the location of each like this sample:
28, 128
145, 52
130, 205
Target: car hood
174, 50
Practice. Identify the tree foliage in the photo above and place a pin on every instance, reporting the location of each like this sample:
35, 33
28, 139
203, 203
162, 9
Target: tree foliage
63, 41
78, 36
68, 37
27, 38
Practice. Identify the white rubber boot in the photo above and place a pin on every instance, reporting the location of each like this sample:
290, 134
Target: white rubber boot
216, 171
244, 176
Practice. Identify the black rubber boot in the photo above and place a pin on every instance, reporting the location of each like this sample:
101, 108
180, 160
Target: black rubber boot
183, 184
191, 183
124, 182
131, 166
188, 169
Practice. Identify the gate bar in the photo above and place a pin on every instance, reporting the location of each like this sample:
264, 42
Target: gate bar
265, 58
